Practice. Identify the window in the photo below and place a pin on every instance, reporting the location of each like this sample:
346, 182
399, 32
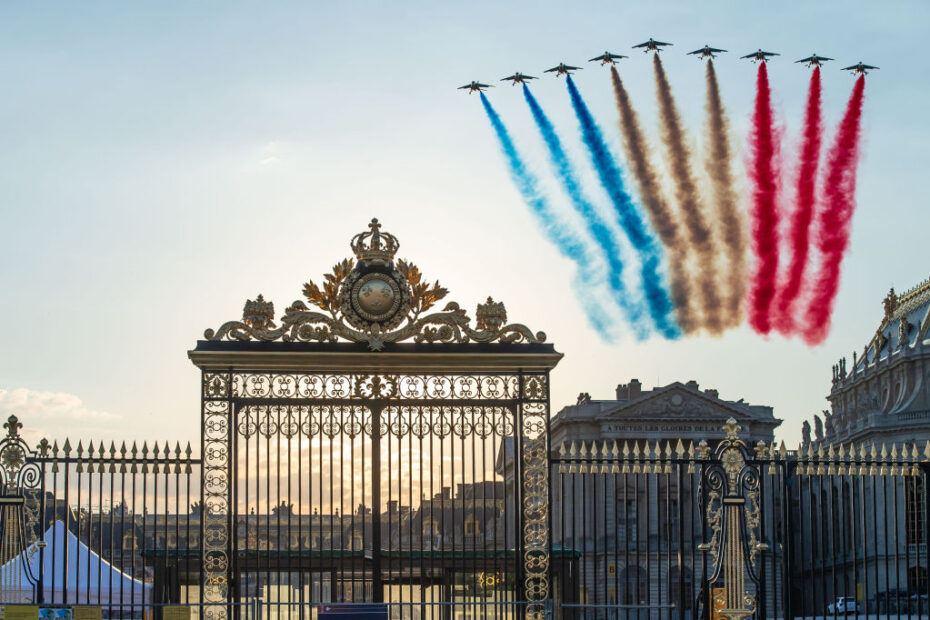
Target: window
914, 492
471, 526
627, 522
634, 586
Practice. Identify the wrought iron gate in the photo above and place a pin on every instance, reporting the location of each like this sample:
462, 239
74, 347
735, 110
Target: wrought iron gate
374, 469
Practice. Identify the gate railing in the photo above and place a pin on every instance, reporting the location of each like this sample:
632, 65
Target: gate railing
722, 530
664, 529
96, 524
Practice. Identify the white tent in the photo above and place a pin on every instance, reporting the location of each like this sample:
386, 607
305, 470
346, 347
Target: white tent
85, 570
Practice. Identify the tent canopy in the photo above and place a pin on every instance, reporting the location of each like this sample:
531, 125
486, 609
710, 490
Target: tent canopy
90, 579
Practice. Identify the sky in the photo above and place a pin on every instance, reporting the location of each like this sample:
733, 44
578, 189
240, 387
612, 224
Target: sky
161, 163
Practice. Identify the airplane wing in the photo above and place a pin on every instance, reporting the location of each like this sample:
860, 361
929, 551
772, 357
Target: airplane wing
551, 70
529, 77
808, 59
753, 55
512, 77
771, 53
700, 51
573, 68
596, 58
618, 56
464, 87
717, 51
662, 43
869, 67
641, 45
825, 58
479, 85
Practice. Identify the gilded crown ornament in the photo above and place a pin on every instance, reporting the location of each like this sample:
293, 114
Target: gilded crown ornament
377, 300
375, 246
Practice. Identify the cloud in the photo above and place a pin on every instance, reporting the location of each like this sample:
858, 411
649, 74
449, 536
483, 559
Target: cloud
268, 161
39, 411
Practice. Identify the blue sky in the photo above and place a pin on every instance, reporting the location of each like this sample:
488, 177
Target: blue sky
161, 163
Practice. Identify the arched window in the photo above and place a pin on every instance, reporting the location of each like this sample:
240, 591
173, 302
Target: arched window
681, 588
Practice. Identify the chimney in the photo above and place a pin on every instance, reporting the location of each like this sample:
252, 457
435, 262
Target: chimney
446, 493
392, 506
630, 391
712, 393
692, 384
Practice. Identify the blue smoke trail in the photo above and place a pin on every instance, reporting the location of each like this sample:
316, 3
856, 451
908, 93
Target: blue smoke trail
660, 306
595, 223
567, 243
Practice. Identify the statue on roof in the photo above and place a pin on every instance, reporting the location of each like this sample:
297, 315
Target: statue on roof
890, 303
904, 332
806, 433
818, 428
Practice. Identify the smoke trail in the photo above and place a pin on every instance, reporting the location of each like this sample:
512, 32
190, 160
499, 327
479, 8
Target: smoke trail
763, 173
629, 217
833, 222
567, 243
696, 227
801, 220
592, 219
718, 167
660, 213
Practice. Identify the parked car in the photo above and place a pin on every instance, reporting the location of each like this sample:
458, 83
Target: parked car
843, 605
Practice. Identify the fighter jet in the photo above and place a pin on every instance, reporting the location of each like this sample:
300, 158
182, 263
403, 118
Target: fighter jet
860, 67
813, 59
759, 55
651, 45
562, 69
518, 78
706, 52
608, 58
474, 87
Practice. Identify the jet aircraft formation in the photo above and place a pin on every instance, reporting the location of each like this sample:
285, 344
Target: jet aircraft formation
609, 58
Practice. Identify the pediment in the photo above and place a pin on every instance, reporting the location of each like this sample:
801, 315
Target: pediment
679, 402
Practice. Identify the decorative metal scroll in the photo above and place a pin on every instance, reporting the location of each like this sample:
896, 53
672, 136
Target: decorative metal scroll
730, 496
376, 300
20, 479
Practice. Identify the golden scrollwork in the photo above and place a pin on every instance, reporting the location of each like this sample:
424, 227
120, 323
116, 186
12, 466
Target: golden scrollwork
732, 514
377, 300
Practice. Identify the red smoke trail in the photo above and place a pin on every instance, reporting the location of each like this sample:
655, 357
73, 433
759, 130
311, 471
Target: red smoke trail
763, 174
833, 222
801, 220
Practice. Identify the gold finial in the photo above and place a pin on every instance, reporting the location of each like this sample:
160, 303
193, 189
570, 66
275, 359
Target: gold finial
491, 316
259, 313
732, 429
12, 427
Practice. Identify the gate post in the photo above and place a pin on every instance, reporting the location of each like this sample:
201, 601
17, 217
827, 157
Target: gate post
730, 508
216, 488
533, 478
